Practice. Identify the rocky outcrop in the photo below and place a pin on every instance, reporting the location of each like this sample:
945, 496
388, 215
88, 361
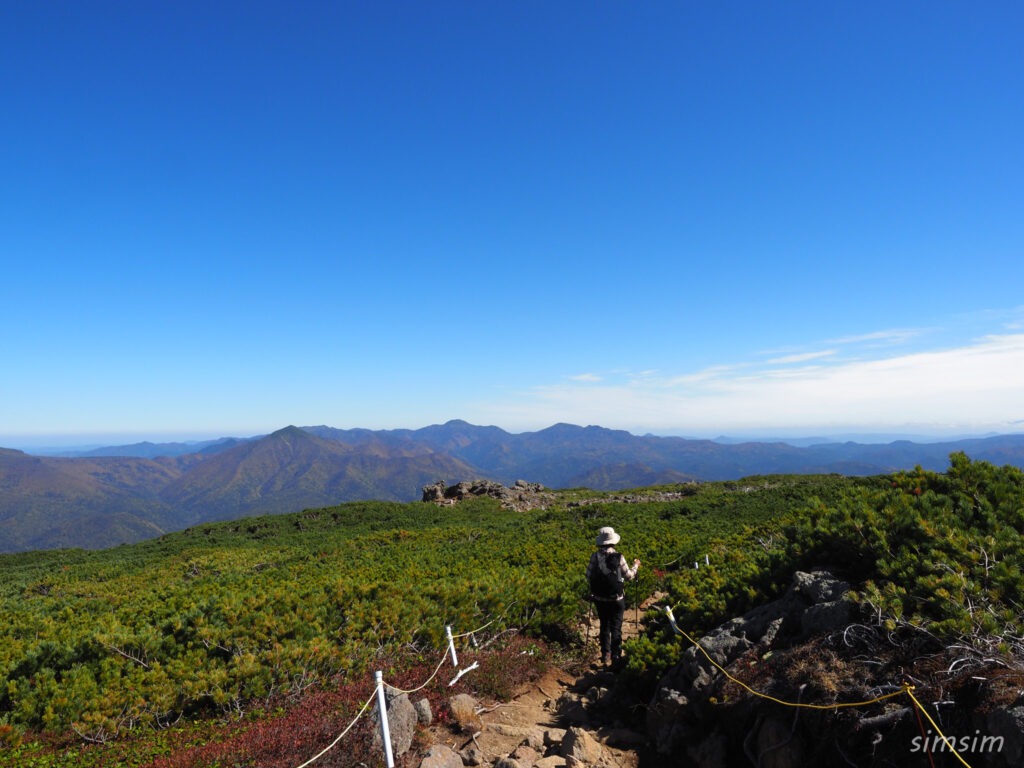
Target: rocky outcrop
522, 495
680, 717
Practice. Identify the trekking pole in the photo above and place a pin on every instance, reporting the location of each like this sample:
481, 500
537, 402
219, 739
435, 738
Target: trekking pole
636, 606
590, 619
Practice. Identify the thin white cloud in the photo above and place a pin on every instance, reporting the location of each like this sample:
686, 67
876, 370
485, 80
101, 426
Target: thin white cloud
705, 376
586, 377
891, 336
802, 357
972, 386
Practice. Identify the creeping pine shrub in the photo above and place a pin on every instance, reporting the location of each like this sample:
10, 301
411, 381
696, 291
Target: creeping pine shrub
943, 549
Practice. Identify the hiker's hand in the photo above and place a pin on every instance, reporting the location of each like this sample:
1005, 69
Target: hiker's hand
636, 563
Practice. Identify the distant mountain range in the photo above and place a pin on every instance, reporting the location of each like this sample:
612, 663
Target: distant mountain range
129, 493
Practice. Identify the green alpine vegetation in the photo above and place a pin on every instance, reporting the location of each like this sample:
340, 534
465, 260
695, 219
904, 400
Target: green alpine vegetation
223, 619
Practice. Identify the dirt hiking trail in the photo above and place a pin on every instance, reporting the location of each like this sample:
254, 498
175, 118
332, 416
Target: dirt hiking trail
554, 721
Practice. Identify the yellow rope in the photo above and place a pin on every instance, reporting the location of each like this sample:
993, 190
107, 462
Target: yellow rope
938, 730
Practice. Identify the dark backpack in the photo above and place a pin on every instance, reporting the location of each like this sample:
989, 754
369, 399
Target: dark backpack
605, 576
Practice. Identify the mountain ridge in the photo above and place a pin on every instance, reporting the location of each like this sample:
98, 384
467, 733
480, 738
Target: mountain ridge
54, 501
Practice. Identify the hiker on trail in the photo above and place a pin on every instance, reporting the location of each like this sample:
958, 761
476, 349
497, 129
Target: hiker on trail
606, 574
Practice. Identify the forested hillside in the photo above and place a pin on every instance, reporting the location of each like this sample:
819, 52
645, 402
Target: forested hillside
101, 502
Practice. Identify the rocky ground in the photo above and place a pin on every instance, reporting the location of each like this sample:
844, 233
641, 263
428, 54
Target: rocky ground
551, 722
523, 495
520, 496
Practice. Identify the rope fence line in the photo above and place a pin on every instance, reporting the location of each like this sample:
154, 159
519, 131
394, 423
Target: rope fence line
906, 689
380, 685
450, 650
444, 657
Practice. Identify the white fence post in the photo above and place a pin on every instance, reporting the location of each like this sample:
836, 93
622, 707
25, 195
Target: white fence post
451, 646
385, 731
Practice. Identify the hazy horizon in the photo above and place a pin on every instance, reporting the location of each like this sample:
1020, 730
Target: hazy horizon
44, 444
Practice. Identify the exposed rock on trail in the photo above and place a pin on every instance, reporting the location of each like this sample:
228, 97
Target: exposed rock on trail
552, 722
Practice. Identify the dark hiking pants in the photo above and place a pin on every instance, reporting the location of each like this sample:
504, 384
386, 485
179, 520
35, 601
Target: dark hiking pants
610, 613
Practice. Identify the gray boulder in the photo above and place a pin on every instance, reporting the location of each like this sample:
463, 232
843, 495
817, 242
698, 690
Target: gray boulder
402, 720
423, 713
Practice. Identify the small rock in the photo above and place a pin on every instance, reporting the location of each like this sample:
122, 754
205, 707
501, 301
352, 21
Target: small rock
535, 739
423, 713
553, 736
570, 708
771, 632
520, 731
825, 617
433, 492
472, 755
506, 762
552, 761
525, 756
440, 756
581, 745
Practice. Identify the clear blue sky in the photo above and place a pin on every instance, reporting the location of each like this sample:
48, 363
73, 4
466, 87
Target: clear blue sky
221, 218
